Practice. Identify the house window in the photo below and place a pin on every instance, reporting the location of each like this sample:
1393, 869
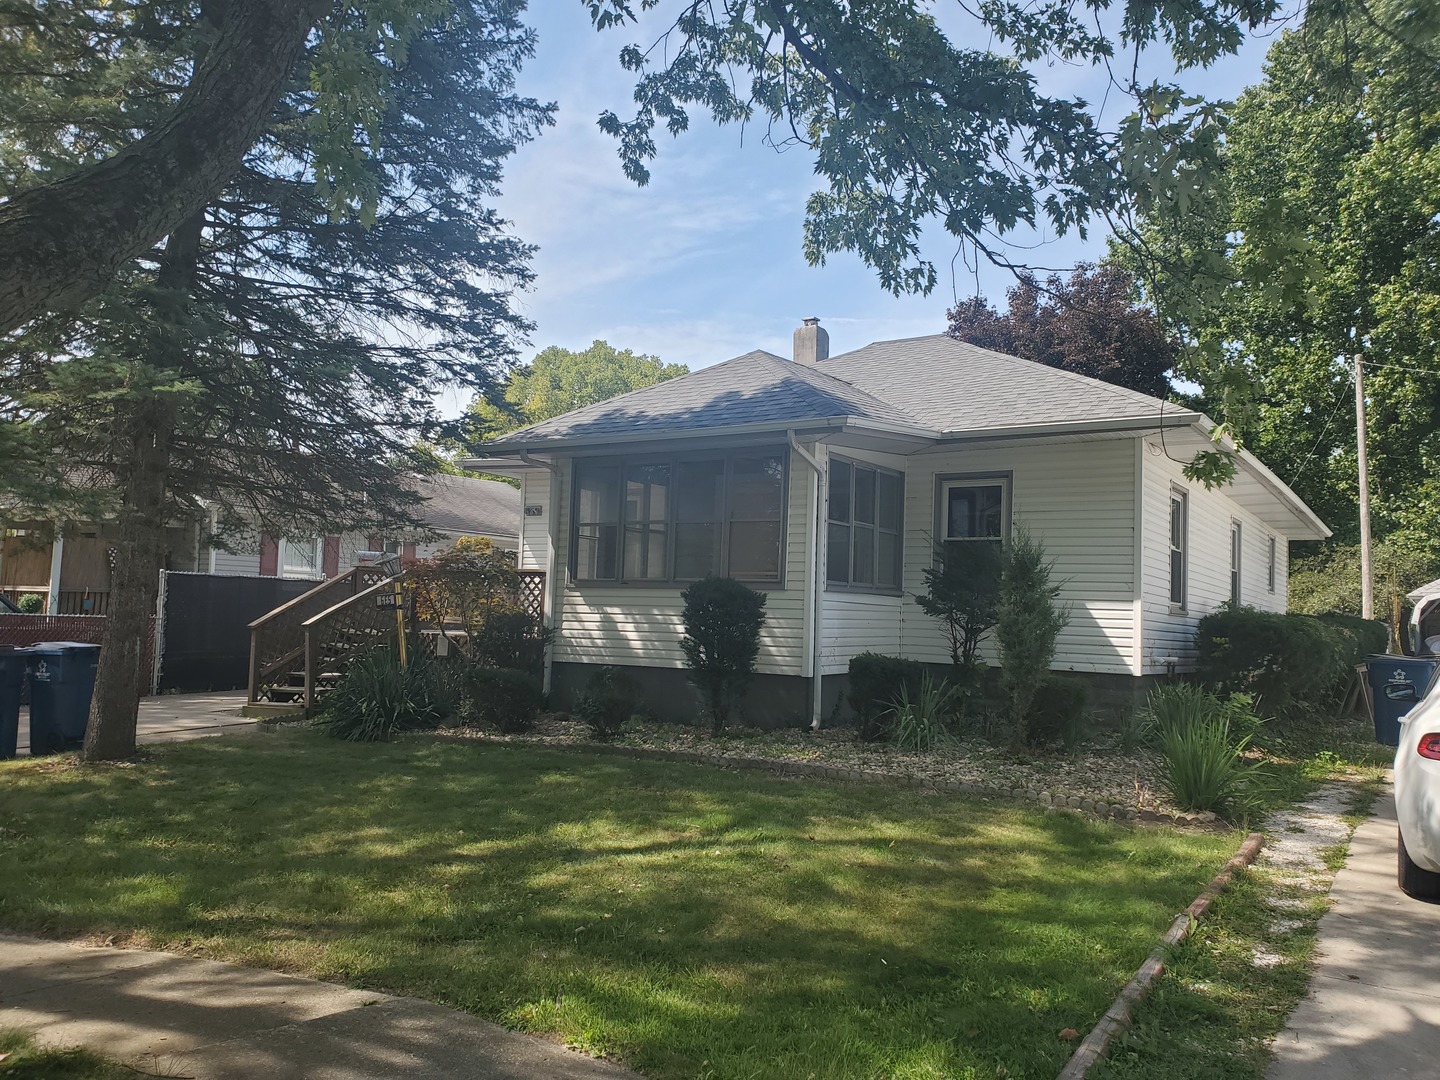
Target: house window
300, 558
1179, 512
1235, 563
973, 509
657, 520
1270, 555
864, 522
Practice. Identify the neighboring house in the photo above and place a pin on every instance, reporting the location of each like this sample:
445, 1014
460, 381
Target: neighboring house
71, 573
454, 506
826, 482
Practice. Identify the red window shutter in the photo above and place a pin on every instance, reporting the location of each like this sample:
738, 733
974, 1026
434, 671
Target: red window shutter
407, 553
269, 556
332, 556
374, 543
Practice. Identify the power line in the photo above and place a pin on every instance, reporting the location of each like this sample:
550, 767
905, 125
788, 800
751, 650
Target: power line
1339, 400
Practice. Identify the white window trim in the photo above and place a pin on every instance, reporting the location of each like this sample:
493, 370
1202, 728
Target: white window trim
1183, 497
316, 548
1237, 562
942, 504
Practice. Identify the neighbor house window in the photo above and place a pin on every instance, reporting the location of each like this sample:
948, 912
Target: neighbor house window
679, 519
1235, 563
300, 558
973, 509
1179, 507
864, 548
1270, 555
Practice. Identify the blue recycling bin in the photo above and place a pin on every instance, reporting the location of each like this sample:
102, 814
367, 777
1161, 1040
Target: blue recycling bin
1397, 684
62, 681
12, 681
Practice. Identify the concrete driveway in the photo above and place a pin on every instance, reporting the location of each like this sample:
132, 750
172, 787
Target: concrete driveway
174, 716
1374, 1003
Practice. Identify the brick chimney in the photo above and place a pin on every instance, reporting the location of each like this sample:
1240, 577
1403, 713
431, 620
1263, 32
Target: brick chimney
812, 343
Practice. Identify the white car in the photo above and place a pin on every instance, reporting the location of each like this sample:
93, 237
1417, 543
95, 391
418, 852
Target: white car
1417, 792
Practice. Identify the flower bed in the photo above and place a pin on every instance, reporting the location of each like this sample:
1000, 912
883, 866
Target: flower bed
1100, 778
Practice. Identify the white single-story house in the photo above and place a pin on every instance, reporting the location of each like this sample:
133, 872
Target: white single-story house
826, 483
452, 507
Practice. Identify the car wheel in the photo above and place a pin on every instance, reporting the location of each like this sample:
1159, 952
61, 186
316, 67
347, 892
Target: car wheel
1415, 881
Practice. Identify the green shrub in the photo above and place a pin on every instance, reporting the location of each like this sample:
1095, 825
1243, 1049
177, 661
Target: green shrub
922, 722
1283, 660
723, 619
607, 702
1362, 637
377, 698
1028, 624
506, 699
876, 682
962, 590
31, 603
1202, 739
510, 639
1057, 712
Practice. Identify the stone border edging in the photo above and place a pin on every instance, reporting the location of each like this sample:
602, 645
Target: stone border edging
1117, 1018
787, 767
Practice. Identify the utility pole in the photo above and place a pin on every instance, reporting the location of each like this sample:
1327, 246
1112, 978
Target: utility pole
1367, 577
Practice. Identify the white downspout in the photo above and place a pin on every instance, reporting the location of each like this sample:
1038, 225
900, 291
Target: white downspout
814, 582
552, 571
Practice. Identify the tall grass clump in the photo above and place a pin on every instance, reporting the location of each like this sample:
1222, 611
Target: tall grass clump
1202, 741
378, 697
921, 722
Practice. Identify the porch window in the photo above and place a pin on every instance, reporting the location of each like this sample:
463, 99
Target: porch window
1235, 543
864, 523
677, 519
1270, 556
1179, 529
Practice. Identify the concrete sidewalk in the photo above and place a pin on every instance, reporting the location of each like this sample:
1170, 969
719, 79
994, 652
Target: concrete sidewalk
177, 1016
1374, 1003
169, 717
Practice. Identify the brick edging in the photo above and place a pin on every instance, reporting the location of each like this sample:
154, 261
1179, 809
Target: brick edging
786, 767
1117, 1018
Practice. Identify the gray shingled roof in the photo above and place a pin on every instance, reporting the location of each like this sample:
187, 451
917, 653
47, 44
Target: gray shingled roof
955, 386
755, 388
471, 507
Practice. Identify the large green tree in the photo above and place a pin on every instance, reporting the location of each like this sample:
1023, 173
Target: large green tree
274, 358
1323, 221
559, 380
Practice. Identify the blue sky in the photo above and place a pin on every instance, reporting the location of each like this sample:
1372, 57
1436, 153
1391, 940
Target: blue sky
705, 263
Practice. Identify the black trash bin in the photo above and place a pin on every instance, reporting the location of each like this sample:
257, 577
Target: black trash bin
12, 681
1397, 684
62, 680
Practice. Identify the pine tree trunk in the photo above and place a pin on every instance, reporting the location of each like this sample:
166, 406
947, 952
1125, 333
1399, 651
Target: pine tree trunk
62, 242
122, 678
143, 476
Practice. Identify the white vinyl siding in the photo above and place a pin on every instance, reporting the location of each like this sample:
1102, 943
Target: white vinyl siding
1077, 498
246, 563
1170, 633
601, 623
534, 531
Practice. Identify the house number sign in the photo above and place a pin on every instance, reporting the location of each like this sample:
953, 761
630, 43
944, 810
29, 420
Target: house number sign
534, 510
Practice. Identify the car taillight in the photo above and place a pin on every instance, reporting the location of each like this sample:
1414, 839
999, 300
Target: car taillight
1430, 746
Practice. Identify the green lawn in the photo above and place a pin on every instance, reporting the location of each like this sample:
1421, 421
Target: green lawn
21, 1059
688, 921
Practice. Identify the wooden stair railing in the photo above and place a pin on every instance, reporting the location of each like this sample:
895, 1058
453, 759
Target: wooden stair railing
337, 635
277, 639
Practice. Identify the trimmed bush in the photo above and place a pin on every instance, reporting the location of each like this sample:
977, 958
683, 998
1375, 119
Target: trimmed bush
1058, 712
509, 639
1283, 660
877, 682
377, 699
723, 619
31, 603
607, 702
506, 699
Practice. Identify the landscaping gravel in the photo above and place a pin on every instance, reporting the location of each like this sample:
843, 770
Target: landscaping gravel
1099, 772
